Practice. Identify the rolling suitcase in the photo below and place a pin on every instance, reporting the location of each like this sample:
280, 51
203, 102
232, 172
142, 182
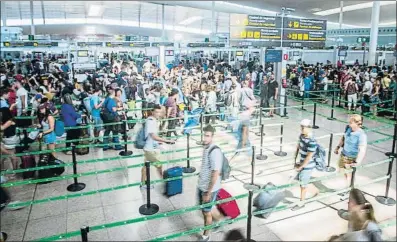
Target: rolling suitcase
49, 160
175, 186
229, 209
268, 199
28, 161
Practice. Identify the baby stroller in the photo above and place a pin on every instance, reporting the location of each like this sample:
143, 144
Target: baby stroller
192, 121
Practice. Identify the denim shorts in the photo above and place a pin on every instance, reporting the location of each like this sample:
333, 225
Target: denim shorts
50, 138
304, 177
97, 121
212, 199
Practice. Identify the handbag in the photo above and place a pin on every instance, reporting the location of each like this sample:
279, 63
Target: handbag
11, 142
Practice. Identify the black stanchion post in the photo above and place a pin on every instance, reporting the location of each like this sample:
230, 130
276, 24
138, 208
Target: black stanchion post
260, 121
285, 107
188, 168
125, 152
303, 102
281, 152
201, 130
386, 200
343, 213
84, 233
148, 208
332, 106
393, 149
249, 219
340, 98
76, 186
261, 156
314, 116
252, 186
330, 168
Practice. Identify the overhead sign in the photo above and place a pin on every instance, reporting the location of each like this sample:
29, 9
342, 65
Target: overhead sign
30, 44
255, 33
273, 55
302, 35
167, 44
205, 45
363, 40
127, 44
255, 21
307, 24
307, 44
84, 44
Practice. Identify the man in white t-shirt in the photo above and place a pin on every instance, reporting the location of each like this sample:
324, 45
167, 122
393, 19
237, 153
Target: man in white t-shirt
147, 66
151, 148
22, 98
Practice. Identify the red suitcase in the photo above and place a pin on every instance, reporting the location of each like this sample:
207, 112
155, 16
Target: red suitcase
229, 209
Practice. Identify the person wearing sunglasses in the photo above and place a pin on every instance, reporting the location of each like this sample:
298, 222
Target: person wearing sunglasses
354, 146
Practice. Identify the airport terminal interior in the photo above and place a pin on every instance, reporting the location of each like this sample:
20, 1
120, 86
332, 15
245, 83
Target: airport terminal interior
263, 120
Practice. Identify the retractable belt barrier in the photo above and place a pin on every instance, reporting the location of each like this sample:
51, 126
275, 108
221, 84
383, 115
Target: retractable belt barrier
237, 197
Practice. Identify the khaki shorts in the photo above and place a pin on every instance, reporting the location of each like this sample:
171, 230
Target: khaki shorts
152, 156
344, 160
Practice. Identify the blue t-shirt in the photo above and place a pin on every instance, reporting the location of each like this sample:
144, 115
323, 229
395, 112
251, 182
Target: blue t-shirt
307, 83
94, 100
4, 104
110, 104
65, 68
352, 141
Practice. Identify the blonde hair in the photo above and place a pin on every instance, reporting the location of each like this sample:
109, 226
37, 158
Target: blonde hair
356, 118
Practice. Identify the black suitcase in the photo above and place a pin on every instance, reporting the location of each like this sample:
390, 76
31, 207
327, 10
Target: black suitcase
49, 160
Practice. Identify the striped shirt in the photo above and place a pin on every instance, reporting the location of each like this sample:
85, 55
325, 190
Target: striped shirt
306, 145
208, 165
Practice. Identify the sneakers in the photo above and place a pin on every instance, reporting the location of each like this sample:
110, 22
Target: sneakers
204, 238
144, 187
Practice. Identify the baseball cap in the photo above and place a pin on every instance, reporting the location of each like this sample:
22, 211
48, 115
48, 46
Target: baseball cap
306, 123
38, 96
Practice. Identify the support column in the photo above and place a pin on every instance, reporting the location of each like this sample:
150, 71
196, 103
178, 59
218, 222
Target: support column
374, 32
341, 15
162, 22
32, 28
213, 30
3, 13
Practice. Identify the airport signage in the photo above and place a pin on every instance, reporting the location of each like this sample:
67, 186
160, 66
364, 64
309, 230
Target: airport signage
166, 44
206, 45
255, 33
305, 24
363, 40
29, 44
273, 55
127, 44
241, 20
84, 44
302, 35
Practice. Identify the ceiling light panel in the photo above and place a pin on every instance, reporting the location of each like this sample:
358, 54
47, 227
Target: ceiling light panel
191, 20
95, 10
352, 8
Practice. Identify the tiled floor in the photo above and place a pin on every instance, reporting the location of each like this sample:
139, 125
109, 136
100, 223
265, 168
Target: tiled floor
68, 215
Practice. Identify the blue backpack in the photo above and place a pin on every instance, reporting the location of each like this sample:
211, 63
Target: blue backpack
140, 139
320, 157
59, 128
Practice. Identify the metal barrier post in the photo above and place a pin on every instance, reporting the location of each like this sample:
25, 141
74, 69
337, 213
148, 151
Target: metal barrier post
261, 156
252, 186
249, 219
393, 149
330, 168
281, 152
386, 200
125, 152
340, 99
285, 107
76, 186
201, 130
314, 116
188, 168
343, 213
260, 122
332, 106
84, 233
148, 208
303, 101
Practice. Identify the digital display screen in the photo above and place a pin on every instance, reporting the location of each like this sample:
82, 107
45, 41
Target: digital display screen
82, 53
239, 53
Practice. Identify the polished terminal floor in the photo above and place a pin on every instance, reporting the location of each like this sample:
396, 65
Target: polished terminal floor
317, 221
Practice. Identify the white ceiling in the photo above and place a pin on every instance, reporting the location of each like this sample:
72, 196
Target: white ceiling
147, 14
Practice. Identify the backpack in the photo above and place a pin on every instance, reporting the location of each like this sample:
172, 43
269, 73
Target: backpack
226, 168
141, 137
106, 116
320, 158
351, 89
59, 128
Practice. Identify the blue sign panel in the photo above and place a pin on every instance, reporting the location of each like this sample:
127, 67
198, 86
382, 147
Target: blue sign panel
273, 55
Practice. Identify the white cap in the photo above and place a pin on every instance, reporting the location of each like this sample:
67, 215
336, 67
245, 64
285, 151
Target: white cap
306, 123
